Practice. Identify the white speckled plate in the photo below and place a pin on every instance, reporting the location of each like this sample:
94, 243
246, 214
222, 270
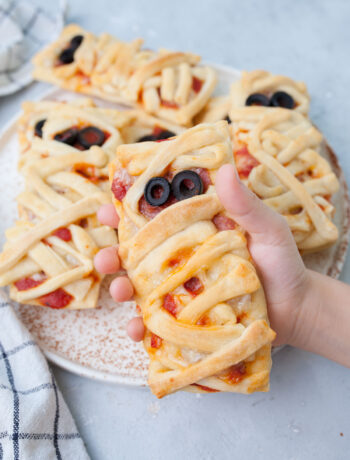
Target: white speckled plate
93, 343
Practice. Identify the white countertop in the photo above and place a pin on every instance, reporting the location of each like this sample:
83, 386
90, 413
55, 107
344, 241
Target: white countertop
309, 402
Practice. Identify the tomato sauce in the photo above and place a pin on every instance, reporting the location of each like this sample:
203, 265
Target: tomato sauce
56, 299
63, 233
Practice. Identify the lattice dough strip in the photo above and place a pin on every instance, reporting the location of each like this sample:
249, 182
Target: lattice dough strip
182, 92
38, 208
216, 109
154, 66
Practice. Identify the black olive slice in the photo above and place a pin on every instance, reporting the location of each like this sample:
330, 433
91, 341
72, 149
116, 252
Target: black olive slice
282, 99
67, 137
228, 119
257, 99
66, 56
148, 137
90, 136
76, 41
186, 184
157, 191
165, 135
38, 128
157, 137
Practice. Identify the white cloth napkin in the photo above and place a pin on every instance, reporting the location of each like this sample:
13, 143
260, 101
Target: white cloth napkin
24, 29
35, 423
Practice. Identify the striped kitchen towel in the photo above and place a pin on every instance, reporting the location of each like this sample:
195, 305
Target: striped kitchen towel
25, 27
35, 423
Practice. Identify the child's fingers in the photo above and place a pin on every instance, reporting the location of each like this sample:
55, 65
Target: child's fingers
261, 222
107, 215
121, 289
136, 329
107, 261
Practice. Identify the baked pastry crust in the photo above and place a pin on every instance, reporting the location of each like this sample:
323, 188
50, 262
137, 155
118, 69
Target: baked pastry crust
140, 124
261, 81
170, 85
278, 155
217, 339
216, 109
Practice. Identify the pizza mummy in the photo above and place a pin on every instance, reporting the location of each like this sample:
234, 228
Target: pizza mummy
51, 128
170, 85
200, 296
278, 155
48, 256
261, 88
257, 88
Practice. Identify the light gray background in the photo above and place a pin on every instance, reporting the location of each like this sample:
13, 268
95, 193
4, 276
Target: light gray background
309, 402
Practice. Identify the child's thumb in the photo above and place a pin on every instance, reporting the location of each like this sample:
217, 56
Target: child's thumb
261, 222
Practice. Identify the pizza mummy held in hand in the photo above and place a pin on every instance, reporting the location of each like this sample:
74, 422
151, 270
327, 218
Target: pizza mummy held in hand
200, 297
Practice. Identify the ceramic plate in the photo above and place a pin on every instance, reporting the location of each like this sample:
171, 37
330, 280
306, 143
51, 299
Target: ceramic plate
93, 343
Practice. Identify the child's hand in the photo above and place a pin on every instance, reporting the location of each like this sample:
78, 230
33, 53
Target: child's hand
107, 262
306, 309
271, 245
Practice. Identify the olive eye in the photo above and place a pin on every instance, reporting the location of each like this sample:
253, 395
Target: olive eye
159, 136
38, 128
282, 99
67, 55
76, 41
69, 136
90, 136
147, 138
157, 191
165, 135
258, 99
186, 184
